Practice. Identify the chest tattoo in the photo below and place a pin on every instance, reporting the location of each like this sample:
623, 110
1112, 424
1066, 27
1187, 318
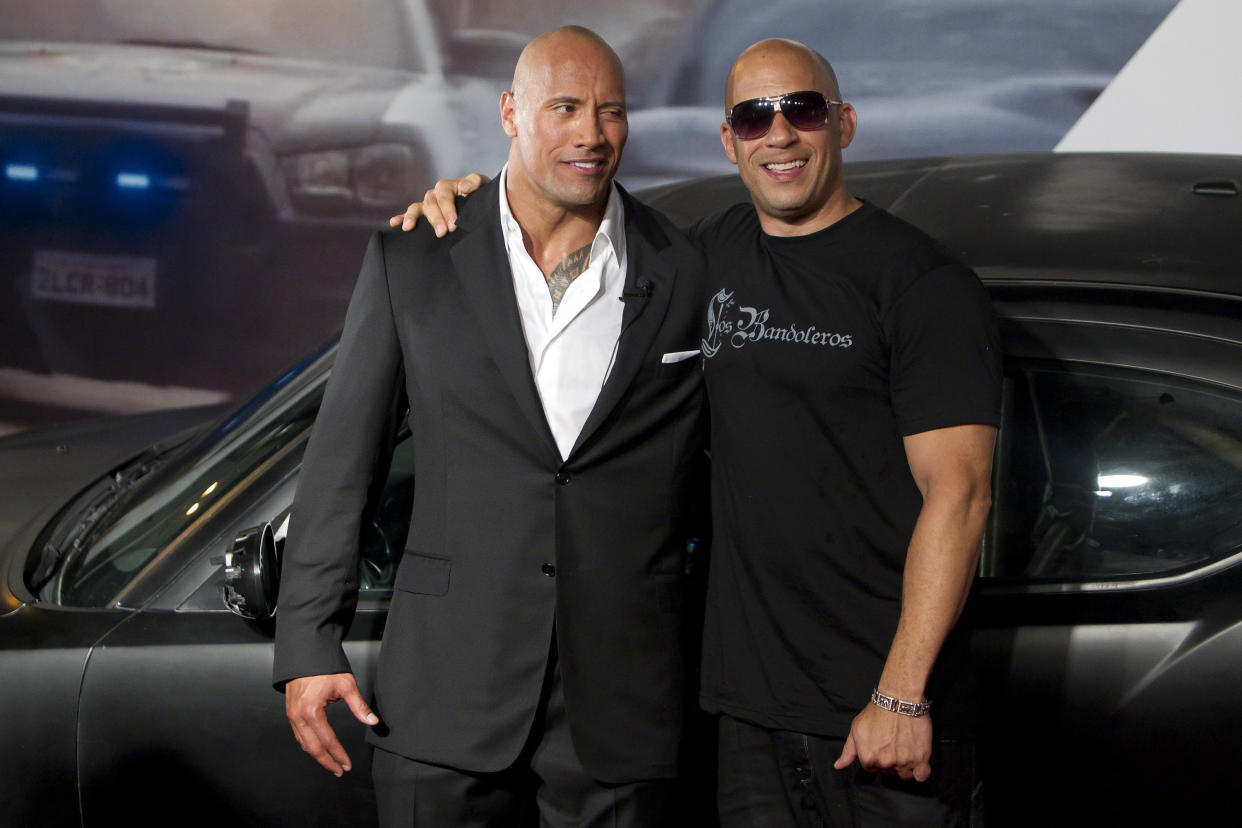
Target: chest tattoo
564, 274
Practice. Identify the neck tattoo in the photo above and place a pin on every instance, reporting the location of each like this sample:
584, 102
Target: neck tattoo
564, 274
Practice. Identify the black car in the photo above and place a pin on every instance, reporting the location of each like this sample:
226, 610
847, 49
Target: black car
1108, 606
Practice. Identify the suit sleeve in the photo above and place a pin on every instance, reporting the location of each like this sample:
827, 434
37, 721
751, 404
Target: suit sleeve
319, 582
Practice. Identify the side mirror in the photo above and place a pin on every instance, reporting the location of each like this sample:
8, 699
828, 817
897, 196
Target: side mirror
252, 574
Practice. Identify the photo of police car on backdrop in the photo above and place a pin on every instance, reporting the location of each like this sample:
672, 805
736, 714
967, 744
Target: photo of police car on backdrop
185, 189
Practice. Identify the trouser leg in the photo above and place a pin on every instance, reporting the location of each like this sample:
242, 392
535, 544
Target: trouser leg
750, 789
413, 794
569, 796
547, 785
779, 778
950, 798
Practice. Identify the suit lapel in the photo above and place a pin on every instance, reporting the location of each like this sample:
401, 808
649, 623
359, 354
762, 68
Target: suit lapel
482, 265
649, 282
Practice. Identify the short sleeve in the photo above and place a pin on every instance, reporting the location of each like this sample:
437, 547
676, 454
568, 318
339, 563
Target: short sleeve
946, 363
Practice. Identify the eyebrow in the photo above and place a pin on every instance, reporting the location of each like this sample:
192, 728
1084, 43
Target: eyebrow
560, 99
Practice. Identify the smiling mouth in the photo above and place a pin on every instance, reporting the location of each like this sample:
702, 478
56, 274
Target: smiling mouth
782, 166
587, 166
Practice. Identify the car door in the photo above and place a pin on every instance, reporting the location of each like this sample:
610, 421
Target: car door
43, 652
1109, 609
178, 720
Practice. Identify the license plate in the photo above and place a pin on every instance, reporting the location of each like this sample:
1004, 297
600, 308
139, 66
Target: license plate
93, 279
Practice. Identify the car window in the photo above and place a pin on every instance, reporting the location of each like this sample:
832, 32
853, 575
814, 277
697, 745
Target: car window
1107, 475
185, 496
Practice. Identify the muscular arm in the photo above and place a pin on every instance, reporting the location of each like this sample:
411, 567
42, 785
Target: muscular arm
952, 468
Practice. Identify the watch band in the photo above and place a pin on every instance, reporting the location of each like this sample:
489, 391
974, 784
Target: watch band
905, 708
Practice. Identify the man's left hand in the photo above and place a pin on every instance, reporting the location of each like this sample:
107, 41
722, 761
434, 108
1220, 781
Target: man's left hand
885, 742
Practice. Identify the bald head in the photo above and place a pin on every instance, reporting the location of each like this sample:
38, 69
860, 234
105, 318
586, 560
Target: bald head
566, 115
791, 166
763, 55
541, 57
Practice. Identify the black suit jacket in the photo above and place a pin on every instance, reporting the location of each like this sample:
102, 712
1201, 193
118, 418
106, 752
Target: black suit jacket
473, 613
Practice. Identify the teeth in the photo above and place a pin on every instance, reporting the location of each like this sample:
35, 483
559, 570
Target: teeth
585, 165
788, 165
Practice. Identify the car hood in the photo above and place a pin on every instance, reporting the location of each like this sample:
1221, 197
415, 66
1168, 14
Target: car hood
41, 470
286, 96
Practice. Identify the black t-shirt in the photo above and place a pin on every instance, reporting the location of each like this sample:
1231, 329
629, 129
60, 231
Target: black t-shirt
821, 353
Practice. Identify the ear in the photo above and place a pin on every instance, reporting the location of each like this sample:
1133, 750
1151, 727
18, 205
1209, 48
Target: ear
849, 124
726, 140
508, 113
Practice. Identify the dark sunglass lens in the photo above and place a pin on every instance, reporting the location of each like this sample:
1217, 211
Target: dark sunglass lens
750, 119
805, 110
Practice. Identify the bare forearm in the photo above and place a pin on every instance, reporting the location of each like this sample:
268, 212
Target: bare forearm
940, 565
952, 468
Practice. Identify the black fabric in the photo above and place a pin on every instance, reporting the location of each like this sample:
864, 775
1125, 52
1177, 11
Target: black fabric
546, 787
821, 352
774, 777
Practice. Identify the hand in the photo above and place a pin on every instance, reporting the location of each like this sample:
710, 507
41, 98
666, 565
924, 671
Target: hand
885, 742
305, 700
439, 205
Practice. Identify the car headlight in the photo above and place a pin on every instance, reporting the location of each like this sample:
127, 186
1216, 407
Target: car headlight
374, 176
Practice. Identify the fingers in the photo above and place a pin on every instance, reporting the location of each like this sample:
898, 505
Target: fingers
360, 709
886, 762
918, 770
315, 735
409, 218
903, 765
471, 182
440, 203
305, 702
326, 754
848, 754
878, 763
328, 750
440, 208
885, 742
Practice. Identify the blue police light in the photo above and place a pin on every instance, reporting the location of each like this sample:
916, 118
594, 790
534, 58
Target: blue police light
21, 172
133, 181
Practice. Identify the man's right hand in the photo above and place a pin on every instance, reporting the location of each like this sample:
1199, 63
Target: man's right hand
305, 700
439, 205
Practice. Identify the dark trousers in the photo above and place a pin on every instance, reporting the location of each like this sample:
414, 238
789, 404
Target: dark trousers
546, 787
771, 778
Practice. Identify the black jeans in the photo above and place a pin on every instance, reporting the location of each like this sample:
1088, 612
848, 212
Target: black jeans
770, 778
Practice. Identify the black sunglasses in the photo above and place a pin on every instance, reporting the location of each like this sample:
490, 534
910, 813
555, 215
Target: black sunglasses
804, 110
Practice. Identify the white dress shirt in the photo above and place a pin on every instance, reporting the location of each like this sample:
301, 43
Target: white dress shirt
571, 351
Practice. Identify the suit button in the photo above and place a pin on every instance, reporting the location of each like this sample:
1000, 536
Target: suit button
549, 570
562, 478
